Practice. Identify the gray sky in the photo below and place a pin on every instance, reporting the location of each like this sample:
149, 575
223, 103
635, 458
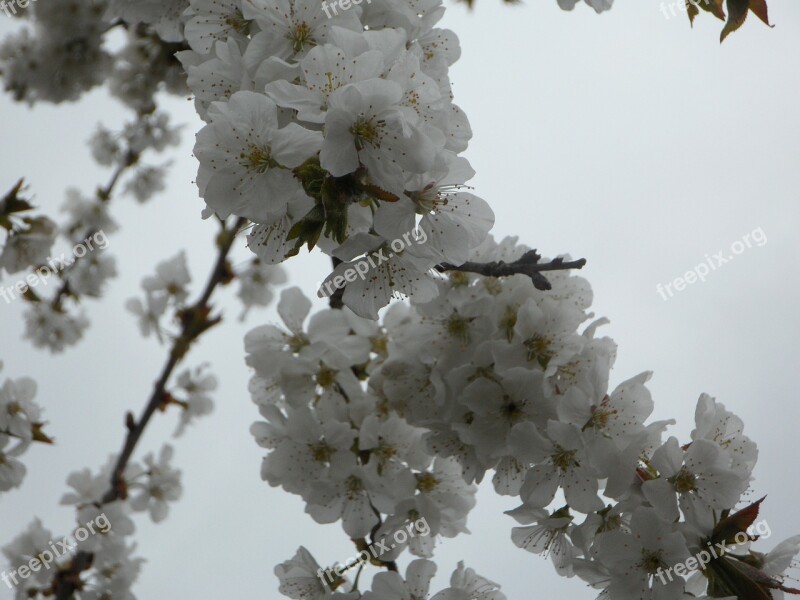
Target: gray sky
625, 138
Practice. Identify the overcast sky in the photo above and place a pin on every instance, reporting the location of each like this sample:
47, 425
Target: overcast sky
626, 138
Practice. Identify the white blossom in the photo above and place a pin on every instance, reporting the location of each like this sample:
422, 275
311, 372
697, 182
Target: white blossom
161, 487
53, 329
171, 278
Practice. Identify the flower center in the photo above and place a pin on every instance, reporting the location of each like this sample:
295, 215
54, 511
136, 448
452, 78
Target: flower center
353, 485
385, 451
238, 23
301, 36
508, 321
258, 159
564, 459
380, 345
538, 348
326, 377
425, 198
601, 415
426, 482
458, 279
458, 327
651, 562
513, 411
683, 482
297, 343
365, 131
321, 452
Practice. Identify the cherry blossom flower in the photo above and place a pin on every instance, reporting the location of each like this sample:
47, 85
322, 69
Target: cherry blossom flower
245, 158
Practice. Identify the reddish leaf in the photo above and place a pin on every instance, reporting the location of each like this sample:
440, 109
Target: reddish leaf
737, 14
712, 6
738, 522
692, 11
759, 7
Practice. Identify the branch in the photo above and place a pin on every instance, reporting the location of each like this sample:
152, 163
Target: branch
390, 565
103, 195
528, 264
196, 321
131, 158
337, 298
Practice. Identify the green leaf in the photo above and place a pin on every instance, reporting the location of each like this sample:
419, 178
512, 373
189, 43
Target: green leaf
336, 197
311, 176
308, 229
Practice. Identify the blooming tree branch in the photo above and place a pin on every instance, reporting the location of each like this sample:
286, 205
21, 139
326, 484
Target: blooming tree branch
337, 130
196, 320
85, 267
104, 196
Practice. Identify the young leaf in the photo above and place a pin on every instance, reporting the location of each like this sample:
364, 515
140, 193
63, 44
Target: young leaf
736, 523
737, 12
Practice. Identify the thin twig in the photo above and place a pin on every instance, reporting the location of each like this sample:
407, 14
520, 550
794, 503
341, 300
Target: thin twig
103, 195
528, 264
196, 320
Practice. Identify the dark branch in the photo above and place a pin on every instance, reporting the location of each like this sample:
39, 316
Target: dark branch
195, 321
337, 298
528, 264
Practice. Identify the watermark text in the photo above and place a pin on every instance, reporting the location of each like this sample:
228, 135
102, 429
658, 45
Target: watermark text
712, 262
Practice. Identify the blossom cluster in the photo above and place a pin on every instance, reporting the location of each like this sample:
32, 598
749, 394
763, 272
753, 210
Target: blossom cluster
333, 444
49, 323
168, 288
53, 318
123, 149
339, 132
20, 425
63, 52
61, 56
114, 567
147, 487
150, 486
376, 425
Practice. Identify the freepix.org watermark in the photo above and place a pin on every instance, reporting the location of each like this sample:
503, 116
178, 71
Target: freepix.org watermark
418, 528
714, 551
757, 238
371, 261
10, 7
46, 558
97, 241
337, 4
